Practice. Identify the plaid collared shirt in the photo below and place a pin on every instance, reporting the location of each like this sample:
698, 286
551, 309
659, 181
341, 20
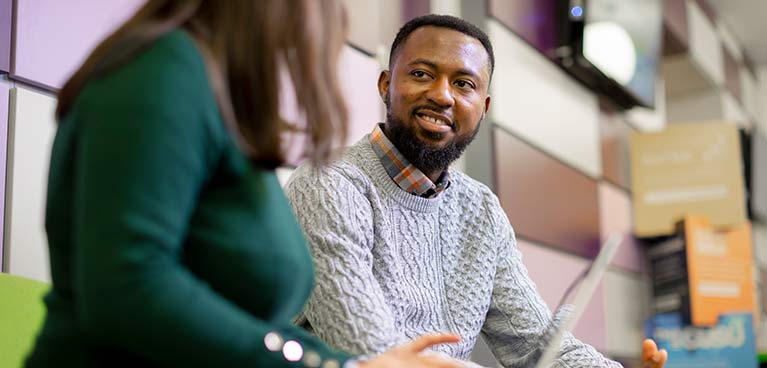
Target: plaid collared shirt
407, 176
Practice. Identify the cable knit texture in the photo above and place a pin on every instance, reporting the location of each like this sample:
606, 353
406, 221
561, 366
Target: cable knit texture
391, 266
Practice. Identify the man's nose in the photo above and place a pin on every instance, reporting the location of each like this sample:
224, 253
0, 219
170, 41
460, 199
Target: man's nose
440, 93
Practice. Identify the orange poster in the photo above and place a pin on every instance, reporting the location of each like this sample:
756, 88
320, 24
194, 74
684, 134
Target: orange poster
720, 270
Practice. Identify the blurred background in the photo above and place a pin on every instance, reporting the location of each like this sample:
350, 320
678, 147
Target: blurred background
642, 117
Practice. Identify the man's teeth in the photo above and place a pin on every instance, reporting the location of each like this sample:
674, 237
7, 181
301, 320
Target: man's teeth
433, 120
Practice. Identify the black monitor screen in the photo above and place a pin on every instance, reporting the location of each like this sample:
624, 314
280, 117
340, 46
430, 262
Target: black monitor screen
622, 38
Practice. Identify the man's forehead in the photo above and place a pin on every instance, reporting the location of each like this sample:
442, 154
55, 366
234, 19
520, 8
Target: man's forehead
443, 45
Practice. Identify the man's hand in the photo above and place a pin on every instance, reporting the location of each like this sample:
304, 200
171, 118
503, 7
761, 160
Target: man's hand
651, 356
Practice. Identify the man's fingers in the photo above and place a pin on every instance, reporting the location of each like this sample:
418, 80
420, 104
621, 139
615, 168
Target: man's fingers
423, 342
660, 358
648, 349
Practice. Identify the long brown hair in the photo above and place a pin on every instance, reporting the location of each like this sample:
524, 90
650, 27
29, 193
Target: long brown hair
244, 43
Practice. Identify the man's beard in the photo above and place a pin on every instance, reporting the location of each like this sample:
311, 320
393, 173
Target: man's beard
426, 158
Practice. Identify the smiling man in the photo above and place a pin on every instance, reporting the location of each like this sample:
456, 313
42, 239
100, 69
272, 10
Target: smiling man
402, 244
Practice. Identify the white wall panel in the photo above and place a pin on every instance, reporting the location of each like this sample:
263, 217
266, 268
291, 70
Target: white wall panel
761, 98
751, 94
32, 129
543, 105
553, 285
760, 244
704, 105
732, 111
705, 47
729, 41
627, 305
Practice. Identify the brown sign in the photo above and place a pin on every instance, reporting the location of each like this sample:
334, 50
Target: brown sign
687, 169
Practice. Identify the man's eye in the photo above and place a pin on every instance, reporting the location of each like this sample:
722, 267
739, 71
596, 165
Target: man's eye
419, 74
464, 84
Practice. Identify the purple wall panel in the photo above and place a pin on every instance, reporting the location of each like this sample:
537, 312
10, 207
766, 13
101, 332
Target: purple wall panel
546, 200
359, 81
54, 37
358, 74
4, 102
6, 10
532, 20
675, 37
552, 286
615, 217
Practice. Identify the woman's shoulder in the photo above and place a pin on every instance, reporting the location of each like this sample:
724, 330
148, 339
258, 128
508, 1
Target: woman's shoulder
169, 69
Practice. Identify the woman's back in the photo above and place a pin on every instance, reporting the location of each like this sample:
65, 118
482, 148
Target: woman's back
164, 240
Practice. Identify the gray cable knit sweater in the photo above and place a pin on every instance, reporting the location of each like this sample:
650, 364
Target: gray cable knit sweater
391, 266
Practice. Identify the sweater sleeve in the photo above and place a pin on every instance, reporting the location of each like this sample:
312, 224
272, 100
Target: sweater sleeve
347, 308
143, 158
518, 317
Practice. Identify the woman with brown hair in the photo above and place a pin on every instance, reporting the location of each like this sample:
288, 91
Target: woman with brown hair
171, 242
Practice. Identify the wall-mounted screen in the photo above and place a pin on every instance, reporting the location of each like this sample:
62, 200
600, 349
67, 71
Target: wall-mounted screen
613, 46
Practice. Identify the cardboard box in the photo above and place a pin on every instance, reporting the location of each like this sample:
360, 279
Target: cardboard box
686, 169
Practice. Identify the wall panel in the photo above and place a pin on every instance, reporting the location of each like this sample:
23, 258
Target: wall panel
614, 137
54, 37
627, 307
705, 47
546, 200
535, 99
552, 286
4, 101
6, 10
615, 217
31, 133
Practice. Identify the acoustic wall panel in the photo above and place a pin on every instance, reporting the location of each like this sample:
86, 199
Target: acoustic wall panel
365, 24
760, 245
540, 261
6, 10
750, 90
704, 105
546, 200
358, 74
535, 21
31, 133
614, 136
4, 101
54, 37
615, 218
359, 79
675, 39
536, 100
732, 111
732, 74
627, 306
705, 48
729, 41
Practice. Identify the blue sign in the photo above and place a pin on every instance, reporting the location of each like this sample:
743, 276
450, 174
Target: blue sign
729, 344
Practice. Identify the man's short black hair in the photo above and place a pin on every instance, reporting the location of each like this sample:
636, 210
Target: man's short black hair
443, 21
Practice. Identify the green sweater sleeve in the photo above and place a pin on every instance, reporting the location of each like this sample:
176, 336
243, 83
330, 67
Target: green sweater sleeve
144, 156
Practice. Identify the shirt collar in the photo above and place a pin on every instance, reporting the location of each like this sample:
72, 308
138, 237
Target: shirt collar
404, 174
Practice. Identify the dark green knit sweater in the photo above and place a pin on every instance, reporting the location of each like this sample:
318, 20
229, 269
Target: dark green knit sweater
167, 247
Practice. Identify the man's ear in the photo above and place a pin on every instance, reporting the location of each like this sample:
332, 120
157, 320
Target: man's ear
383, 84
487, 105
